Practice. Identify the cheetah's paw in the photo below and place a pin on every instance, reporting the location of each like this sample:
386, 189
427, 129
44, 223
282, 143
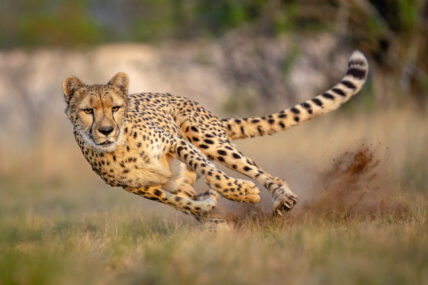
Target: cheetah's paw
283, 200
204, 204
242, 191
252, 193
210, 194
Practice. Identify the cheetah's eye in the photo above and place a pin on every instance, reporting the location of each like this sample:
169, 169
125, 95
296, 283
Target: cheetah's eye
88, 111
115, 108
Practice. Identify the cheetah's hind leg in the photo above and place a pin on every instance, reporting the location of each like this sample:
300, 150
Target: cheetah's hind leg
220, 148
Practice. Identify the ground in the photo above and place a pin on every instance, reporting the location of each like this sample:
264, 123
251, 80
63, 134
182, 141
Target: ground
362, 218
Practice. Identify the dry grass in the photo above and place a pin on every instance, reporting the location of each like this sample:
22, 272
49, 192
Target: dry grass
362, 217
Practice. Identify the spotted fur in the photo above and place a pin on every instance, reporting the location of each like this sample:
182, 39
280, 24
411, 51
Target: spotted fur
154, 145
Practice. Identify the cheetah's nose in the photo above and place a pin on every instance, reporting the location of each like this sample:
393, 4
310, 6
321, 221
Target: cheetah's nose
105, 130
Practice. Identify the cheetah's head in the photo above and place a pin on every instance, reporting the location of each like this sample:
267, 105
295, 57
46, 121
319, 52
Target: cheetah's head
98, 112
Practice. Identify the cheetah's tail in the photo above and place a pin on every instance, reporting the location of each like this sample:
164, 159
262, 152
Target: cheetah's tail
350, 85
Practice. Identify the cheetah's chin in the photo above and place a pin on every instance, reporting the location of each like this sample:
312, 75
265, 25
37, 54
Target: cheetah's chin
107, 145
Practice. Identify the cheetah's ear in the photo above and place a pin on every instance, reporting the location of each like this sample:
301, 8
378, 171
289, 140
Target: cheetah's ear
120, 80
69, 86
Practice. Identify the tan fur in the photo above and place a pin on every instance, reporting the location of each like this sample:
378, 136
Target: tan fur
153, 144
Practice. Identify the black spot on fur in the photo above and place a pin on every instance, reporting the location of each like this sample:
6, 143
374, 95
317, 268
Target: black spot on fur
328, 96
356, 73
247, 168
222, 152
179, 149
158, 192
317, 102
348, 84
295, 110
296, 119
338, 91
208, 141
235, 155
306, 105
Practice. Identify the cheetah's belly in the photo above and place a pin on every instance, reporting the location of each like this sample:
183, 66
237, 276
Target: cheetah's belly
135, 176
138, 177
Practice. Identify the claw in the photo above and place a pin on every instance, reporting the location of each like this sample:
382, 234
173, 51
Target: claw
284, 200
277, 212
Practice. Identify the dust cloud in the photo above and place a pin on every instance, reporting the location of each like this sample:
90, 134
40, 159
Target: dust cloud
353, 184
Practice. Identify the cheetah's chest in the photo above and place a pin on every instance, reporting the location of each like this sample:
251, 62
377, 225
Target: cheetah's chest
126, 167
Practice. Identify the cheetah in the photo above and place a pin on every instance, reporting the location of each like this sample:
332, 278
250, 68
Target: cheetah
156, 145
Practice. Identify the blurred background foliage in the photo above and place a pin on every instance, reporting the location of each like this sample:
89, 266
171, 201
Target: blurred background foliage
392, 32
77, 22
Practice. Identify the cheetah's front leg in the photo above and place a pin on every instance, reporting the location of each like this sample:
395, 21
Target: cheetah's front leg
200, 208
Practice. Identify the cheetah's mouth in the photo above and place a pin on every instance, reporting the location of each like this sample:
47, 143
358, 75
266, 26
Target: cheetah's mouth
106, 143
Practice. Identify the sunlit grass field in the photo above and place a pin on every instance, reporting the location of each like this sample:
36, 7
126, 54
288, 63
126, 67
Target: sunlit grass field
362, 218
